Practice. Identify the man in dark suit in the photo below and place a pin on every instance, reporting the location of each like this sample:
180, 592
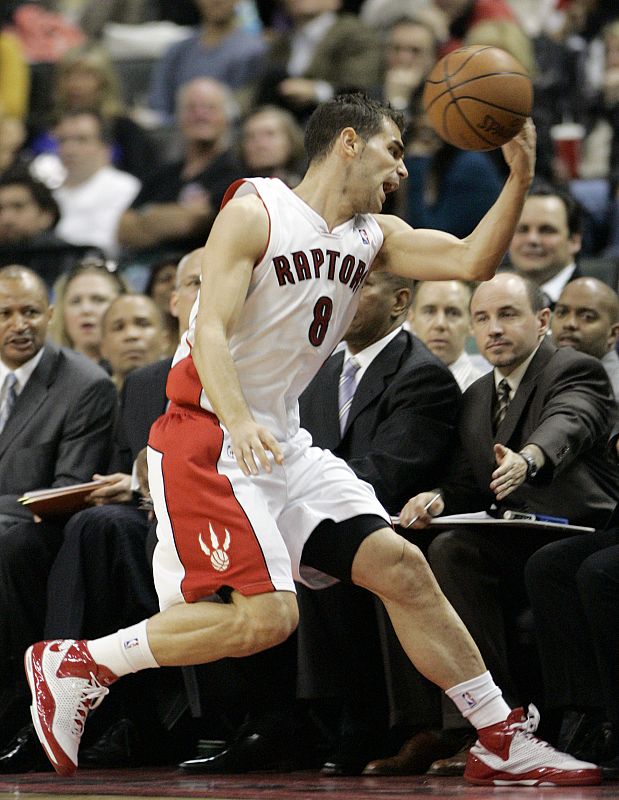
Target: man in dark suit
396, 437
100, 577
532, 437
57, 412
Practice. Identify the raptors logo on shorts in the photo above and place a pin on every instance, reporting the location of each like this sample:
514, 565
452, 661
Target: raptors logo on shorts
218, 555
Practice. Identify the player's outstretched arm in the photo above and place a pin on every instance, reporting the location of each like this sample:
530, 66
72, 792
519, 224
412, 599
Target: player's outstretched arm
435, 255
237, 240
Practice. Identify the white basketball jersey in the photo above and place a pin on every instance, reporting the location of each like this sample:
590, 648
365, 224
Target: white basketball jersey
301, 299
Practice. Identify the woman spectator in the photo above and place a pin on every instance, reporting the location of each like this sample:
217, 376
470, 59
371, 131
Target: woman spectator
159, 288
272, 145
448, 189
81, 298
85, 80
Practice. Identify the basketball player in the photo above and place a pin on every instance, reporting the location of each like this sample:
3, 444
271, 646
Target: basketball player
242, 499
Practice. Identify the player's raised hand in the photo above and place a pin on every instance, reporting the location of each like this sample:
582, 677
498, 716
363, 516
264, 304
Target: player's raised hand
519, 152
251, 441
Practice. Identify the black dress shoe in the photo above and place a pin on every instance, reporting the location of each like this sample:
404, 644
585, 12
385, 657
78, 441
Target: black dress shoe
24, 754
249, 752
610, 769
351, 756
119, 746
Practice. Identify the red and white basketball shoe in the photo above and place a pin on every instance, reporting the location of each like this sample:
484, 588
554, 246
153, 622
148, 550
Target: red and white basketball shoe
65, 683
508, 753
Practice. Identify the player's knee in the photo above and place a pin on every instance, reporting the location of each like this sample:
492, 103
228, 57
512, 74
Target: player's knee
402, 571
268, 622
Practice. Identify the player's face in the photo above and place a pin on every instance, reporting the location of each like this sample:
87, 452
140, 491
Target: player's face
581, 320
440, 318
24, 317
542, 244
380, 168
506, 328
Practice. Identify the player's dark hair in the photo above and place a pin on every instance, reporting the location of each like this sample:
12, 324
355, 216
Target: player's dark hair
356, 111
573, 209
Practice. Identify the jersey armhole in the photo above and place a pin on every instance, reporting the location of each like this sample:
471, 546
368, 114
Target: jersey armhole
231, 192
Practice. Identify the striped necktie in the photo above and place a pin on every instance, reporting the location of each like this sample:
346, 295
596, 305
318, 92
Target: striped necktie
502, 403
347, 389
10, 396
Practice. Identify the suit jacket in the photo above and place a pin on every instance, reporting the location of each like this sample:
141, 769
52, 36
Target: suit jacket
401, 420
142, 400
565, 405
60, 430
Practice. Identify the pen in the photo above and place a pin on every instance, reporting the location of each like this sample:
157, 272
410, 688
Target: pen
547, 518
522, 515
425, 508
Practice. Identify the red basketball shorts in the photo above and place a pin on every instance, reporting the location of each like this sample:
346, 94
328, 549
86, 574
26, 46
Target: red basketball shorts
216, 527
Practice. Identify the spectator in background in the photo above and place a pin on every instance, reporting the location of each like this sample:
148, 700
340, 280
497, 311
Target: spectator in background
547, 239
14, 77
58, 419
221, 49
448, 189
131, 335
176, 207
160, 288
490, 22
93, 194
272, 145
29, 216
323, 54
95, 14
410, 53
84, 80
441, 318
81, 298
586, 317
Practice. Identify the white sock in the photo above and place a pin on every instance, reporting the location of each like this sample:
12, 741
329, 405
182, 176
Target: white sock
125, 651
480, 701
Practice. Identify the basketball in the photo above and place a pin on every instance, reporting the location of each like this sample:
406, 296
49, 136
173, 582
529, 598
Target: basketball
478, 97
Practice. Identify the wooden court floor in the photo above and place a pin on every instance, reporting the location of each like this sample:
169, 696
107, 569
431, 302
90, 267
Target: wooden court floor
169, 783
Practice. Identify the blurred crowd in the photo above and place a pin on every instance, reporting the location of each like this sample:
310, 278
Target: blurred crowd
122, 125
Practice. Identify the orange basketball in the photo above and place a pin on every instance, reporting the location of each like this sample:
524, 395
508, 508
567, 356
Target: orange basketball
478, 97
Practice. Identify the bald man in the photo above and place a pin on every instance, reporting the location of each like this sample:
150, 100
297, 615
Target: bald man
586, 317
545, 453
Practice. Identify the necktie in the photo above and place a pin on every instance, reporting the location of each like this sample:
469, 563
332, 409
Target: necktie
10, 396
347, 389
502, 403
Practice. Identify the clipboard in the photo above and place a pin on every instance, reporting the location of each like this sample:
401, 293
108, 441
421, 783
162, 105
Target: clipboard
484, 519
60, 501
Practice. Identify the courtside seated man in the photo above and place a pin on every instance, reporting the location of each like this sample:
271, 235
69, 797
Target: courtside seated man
241, 497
